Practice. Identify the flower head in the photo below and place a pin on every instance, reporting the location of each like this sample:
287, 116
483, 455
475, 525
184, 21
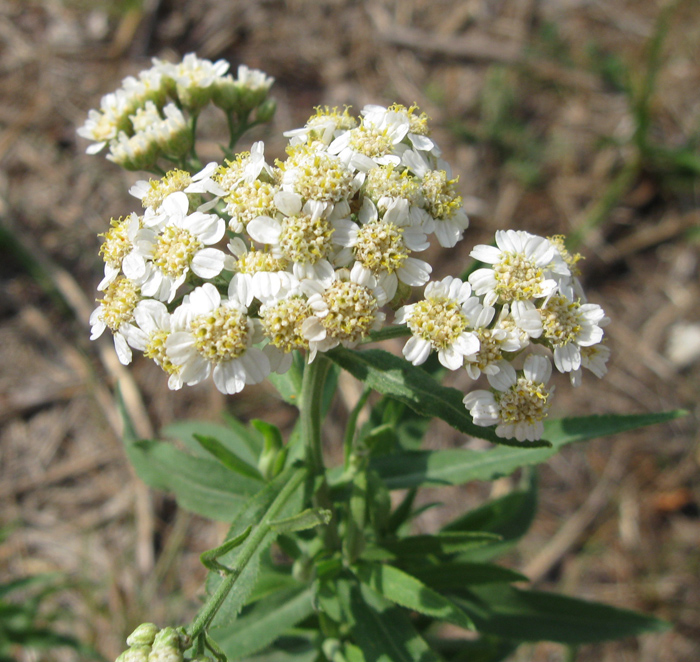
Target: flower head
517, 403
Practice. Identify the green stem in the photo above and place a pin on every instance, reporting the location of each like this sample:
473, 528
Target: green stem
311, 414
310, 411
248, 549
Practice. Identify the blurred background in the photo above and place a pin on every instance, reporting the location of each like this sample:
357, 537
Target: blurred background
579, 117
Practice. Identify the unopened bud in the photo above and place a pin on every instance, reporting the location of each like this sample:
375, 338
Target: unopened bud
266, 110
166, 647
135, 654
143, 635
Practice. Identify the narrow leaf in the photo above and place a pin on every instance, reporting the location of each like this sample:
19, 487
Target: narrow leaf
449, 575
229, 459
202, 486
252, 514
459, 466
512, 613
442, 544
407, 591
263, 622
384, 633
235, 436
308, 519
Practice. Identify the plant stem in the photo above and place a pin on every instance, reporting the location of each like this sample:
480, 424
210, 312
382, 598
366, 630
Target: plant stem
249, 547
310, 410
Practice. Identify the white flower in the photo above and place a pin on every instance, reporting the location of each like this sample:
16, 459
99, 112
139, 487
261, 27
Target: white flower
104, 125
383, 246
117, 245
149, 335
316, 174
519, 402
306, 235
181, 244
203, 182
493, 342
417, 124
116, 313
523, 265
443, 211
137, 152
218, 339
568, 326
441, 322
593, 358
323, 126
344, 312
259, 274
377, 141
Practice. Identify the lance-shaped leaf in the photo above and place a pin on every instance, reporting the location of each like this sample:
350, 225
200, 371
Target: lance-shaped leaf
228, 458
442, 544
459, 466
383, 632
396, 377
448, 575
407, 591
237, 437
263, 622
262, 509
508, 612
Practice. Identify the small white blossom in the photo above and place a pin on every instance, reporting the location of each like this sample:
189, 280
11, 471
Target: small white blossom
441, 322
163, 259
116, 313
218, 339
523, 265
519, 402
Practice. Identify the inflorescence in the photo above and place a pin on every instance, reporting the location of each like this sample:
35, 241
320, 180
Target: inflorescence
228, 270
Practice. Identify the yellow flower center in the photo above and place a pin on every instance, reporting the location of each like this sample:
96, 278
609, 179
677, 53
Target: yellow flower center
560, 320
119, 302
156, 350
221, 335
175, 249
380, 247
117, 244
351, 311
438, 320
525, 402
517, 278
282, 323
304, 239
159, 189
440, 195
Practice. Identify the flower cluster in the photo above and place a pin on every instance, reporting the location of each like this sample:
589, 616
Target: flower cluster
228, 271
506, 322
151, 116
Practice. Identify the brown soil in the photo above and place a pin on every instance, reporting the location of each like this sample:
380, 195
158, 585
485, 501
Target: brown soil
526, 100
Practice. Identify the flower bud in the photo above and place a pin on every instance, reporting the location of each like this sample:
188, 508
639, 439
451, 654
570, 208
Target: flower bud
266, 110
135, 654
143, 635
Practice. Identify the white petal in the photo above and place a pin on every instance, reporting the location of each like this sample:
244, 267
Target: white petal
265, 230
208, 262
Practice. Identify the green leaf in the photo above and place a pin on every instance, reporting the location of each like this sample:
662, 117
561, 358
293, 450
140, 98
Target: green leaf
484, 649
459, 466
448, 575
263, 622
442, 544
202, 486
512, 613
253, 513
509, 516
397, 378
407, 591
235, 436
288, 649
307, 519
229, 459
383, 632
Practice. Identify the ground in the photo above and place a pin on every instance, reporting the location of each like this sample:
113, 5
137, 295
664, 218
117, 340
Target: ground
558, 116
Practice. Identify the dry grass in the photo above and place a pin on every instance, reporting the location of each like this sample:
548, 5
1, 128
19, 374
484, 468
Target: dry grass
526, 98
